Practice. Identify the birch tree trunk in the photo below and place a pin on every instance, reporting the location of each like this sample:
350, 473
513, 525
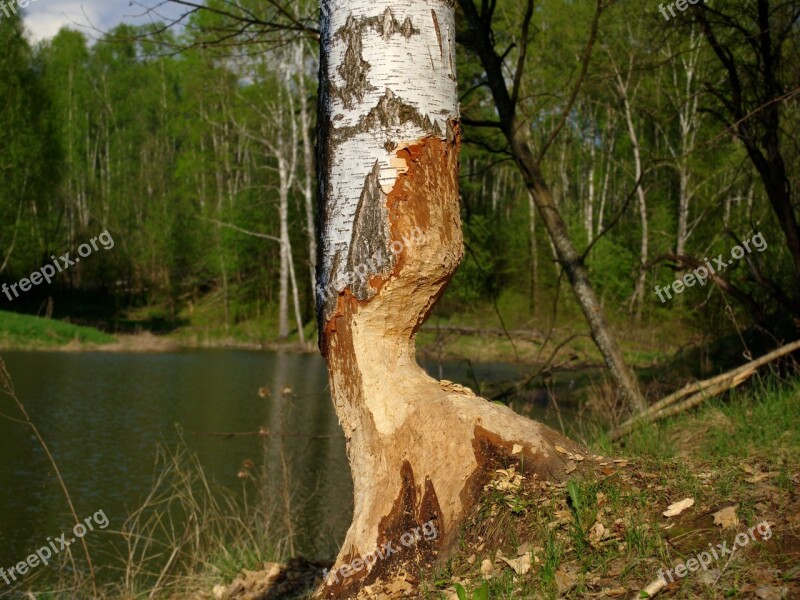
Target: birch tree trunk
308, 161
627, 97
686, 98
420, 450
534, 254
588, 213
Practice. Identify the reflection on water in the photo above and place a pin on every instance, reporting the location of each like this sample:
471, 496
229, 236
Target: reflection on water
104, 414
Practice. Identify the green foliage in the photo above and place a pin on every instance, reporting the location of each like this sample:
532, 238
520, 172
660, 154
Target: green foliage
477, 277
479, 593
156, 146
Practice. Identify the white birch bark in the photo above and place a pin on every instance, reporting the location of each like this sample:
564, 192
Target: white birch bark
627, 96
610, 145
588, 214
308, 163
685, 96
420, 450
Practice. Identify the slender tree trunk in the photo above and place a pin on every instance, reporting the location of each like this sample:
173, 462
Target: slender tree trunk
286, 249
420, 450
521, 146
308, 165
686, 98
588, 214
286, 150
534, 254
644, 249
612, 142
627, 97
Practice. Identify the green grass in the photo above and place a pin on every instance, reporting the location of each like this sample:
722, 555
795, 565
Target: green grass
24, 332
761, 421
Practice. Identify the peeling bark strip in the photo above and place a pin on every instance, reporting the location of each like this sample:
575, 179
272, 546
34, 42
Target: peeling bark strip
375, 53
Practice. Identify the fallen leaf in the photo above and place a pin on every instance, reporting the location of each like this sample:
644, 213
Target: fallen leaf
560, 449
597, 532
486, 568
614, 592
565, 580
563, 515
521, 565
516, 449
768, 592
678, 507
726, 517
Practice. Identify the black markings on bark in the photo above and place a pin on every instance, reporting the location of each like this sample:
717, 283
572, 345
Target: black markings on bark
387, 25
353, 69
438, 33
390, 113
325, 165
326, 305
370, 254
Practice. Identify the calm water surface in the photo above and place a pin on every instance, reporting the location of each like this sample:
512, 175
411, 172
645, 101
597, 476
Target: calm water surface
104, 415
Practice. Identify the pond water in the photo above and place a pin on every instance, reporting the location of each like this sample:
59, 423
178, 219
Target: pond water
104, 415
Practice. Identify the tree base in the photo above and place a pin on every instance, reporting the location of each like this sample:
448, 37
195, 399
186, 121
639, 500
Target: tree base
424, 479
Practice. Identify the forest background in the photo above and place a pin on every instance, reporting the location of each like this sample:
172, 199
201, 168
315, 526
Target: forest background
184, 146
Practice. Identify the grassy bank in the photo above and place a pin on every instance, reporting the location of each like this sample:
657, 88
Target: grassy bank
603, 533
23, 332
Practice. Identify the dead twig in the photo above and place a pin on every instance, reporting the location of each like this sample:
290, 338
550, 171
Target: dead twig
695, 393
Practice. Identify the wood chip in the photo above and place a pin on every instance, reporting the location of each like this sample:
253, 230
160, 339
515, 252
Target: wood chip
678, 507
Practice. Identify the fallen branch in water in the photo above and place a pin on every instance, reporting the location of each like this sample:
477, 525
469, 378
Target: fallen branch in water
695, 393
